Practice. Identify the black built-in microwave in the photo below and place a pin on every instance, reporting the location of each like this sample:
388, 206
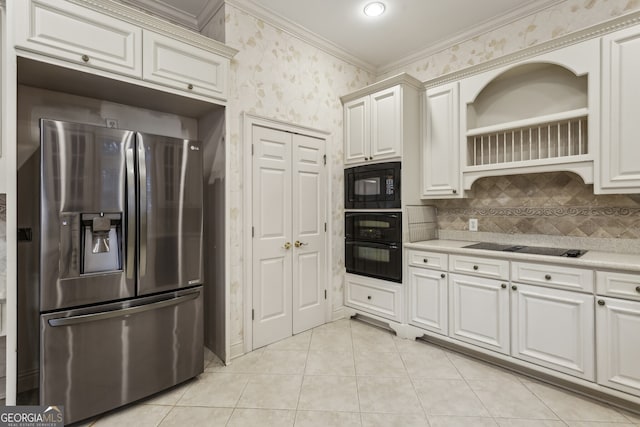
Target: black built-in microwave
372, 186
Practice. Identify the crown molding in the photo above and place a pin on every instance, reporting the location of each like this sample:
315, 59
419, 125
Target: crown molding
299, 32
579, 36
483, 27
144, 20
174, 14
402, 78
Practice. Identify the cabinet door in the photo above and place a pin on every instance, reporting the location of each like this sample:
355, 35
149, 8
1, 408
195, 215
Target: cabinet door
618, 346
553, 328
357, 130
374, 296
440, 144
620, 151
176, 64
76, 34
428, 299
479, 312
386, 124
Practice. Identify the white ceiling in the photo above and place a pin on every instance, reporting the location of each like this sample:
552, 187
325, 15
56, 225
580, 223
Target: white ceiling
408, 28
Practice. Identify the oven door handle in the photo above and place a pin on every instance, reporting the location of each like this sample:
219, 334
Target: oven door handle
379, 245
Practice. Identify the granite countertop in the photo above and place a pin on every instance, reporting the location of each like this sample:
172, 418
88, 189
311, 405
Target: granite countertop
592, 259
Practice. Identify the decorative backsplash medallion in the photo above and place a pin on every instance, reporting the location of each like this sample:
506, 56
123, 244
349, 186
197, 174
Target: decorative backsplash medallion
557, 204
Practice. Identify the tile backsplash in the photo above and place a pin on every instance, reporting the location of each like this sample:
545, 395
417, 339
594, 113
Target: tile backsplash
553, 204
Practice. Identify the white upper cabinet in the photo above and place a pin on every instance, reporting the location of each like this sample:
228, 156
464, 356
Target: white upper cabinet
441, 143
357, 130
172, 63
73, 33
539, 114
620, 150
137, 49
380, 119
386, 124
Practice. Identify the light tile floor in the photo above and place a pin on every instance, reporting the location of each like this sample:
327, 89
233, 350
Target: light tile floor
349, 373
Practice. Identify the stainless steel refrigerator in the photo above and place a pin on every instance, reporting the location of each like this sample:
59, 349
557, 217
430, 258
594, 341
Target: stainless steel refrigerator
120, 280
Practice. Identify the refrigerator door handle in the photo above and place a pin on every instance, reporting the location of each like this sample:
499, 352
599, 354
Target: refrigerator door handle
84, 318
131, 213
142, 188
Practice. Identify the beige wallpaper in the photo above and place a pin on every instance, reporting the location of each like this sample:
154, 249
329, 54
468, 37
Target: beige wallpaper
275, 75
278, 76
556, 21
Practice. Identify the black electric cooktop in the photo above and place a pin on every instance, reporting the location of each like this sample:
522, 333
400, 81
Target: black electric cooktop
538, 250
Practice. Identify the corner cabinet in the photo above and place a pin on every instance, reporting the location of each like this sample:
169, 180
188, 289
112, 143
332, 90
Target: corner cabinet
440, 143
620, 151
379, 119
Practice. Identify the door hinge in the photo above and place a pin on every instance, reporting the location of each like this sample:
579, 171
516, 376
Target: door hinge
253, 314
253, 232
325, 294
252, 149
324, 159
325, 227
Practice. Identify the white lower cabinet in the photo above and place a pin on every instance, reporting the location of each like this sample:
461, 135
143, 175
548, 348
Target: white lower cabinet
378, 297
428, 299
479, 311
553, 328
618, 344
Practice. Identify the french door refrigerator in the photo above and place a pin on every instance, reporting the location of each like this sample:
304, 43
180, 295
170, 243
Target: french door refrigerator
120, 266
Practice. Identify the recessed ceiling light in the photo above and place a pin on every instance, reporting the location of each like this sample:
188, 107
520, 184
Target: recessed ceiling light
374, 9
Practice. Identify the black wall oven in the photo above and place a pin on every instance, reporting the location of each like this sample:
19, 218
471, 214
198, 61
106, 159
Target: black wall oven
373, 244
372, 186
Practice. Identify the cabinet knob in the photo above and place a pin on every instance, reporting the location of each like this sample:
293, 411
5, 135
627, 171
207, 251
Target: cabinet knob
638, 289
85, 58
368, 296
514, 287
475, 267
455, 191
190, 86
600, 302
287, 245
426, 260
443, 275
503, 286
547, 277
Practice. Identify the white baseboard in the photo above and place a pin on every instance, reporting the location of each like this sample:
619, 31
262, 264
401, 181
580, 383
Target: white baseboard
237, 349
338, 313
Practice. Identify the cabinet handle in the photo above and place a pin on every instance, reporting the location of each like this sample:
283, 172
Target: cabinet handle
190, 86
547, 277
475, 267
514, 287
638, 289
368, 296
455, 191
503, 286
85, 58
443, 275
600, 302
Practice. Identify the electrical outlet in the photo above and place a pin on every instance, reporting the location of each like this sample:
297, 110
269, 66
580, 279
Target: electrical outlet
473, 224
111, 123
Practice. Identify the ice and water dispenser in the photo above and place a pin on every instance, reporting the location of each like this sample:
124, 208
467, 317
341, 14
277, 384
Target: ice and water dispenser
101, 242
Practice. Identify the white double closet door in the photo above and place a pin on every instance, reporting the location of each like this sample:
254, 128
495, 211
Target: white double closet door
289, 237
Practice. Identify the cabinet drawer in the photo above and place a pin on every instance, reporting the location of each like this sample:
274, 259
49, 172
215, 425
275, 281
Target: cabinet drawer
485, 267
622, 285
556, 276
375, 296
74, 33
176, 64
433, 260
